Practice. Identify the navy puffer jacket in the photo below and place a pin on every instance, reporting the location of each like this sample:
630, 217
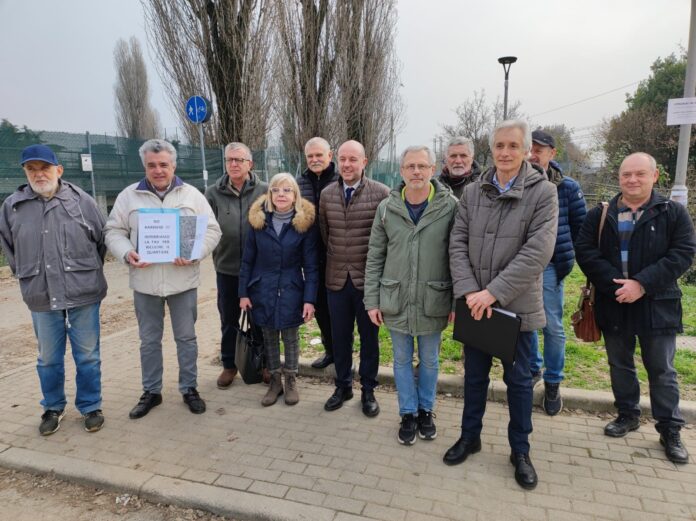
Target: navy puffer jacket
571, 214
279, 272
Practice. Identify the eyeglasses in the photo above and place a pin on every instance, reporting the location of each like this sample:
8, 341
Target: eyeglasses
236, 160
413, 167
285, 190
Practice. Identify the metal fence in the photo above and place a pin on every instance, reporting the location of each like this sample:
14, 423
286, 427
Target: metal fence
116, 163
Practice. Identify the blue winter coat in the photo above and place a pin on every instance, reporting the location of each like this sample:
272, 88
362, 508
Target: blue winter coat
279, 274
571, 214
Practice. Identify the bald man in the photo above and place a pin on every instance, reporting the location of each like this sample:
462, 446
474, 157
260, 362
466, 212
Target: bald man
647, 243
346, 211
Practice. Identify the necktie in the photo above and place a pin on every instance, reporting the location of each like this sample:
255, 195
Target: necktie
349, 194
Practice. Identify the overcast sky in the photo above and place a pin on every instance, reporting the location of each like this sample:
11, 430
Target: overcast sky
56, 59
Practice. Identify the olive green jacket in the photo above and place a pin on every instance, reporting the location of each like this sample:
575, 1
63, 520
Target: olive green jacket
407, 276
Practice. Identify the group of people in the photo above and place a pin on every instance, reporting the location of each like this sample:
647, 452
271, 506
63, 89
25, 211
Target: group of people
338, 246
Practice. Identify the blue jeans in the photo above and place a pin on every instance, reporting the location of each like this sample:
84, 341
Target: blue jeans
554, 334
477, 366
52, 329
412, 396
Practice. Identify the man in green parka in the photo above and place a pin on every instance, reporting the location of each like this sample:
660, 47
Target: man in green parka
408, 285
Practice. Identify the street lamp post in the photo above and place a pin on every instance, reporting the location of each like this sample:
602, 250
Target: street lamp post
506, 62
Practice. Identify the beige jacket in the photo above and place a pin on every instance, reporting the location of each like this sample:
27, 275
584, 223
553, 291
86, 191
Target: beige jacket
122, 236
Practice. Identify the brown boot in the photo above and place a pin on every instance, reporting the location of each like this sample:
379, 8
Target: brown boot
291, 394
226, 378
274, 390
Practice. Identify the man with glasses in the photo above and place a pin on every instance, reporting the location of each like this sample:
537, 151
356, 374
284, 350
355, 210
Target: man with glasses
230, 198
408, 285
346, 211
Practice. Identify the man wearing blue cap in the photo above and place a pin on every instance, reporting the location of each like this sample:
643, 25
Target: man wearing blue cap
51, 233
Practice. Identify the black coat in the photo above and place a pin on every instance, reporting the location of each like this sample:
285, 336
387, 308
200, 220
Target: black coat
662, 248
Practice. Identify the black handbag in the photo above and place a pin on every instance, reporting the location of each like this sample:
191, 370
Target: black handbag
248, 356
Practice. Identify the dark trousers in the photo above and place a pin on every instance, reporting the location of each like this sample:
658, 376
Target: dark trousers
657, 353
322, 314
228, 307
346, 307
477, 366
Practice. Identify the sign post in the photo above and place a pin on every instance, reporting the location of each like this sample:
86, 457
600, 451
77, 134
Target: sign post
198, 110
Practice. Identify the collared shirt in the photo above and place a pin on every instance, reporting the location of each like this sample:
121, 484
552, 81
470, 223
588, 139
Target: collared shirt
346, 186
626, 222
502, 189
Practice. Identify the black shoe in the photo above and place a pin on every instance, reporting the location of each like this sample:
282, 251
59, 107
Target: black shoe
323, 361
50, 422
674, 448
552, 401
426, 425
536, 378
525, 475
147, 401
94, 421
340, 395
407, 431
621, 426
458, 452
370, 407
195, 403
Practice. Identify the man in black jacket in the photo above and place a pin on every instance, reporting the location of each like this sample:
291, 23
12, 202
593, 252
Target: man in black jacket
647, 243
460, 167
320, 173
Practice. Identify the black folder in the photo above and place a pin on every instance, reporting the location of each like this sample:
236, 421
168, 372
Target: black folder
496, 336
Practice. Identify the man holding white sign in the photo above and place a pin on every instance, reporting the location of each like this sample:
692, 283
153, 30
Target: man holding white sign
173, 278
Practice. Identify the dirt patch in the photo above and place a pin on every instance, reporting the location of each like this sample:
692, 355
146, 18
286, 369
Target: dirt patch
27, 497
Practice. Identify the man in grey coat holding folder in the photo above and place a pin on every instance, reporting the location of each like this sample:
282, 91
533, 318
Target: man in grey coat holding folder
503, 238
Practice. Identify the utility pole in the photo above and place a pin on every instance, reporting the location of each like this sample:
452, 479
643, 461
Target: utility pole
679, 190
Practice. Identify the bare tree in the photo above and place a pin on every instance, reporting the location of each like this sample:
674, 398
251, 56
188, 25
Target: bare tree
476, 118
220, 49
135, 117
368, 72
305, 68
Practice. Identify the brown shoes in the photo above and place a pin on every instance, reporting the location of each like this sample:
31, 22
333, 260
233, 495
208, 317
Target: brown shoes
226, 378
274, 390
291, 394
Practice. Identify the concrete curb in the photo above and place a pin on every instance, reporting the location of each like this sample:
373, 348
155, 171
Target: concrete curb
161, 489
591, 401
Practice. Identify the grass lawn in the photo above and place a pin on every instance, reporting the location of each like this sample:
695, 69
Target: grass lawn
586, 364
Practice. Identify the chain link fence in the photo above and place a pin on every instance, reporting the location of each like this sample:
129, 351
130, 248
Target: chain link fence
116, 163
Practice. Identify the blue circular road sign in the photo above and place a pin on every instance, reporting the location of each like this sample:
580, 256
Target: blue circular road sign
198, 109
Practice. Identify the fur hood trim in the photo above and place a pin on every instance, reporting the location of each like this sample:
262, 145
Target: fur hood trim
302, 221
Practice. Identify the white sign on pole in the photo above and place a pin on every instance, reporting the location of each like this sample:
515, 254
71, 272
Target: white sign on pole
86, 162
681, 111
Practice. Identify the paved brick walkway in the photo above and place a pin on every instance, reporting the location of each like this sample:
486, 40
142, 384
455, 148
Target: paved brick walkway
303, 463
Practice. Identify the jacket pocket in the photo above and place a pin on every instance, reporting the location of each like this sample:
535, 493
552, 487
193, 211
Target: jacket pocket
666, 309
438, 298
389, 296
77, 242
83, 277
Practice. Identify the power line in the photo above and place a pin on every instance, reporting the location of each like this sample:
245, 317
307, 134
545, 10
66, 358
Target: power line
586, 99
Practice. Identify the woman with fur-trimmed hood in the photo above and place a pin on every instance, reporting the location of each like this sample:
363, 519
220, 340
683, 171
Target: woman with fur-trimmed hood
279, 277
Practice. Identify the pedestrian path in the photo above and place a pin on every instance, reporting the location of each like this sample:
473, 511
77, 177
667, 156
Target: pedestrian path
243, 460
